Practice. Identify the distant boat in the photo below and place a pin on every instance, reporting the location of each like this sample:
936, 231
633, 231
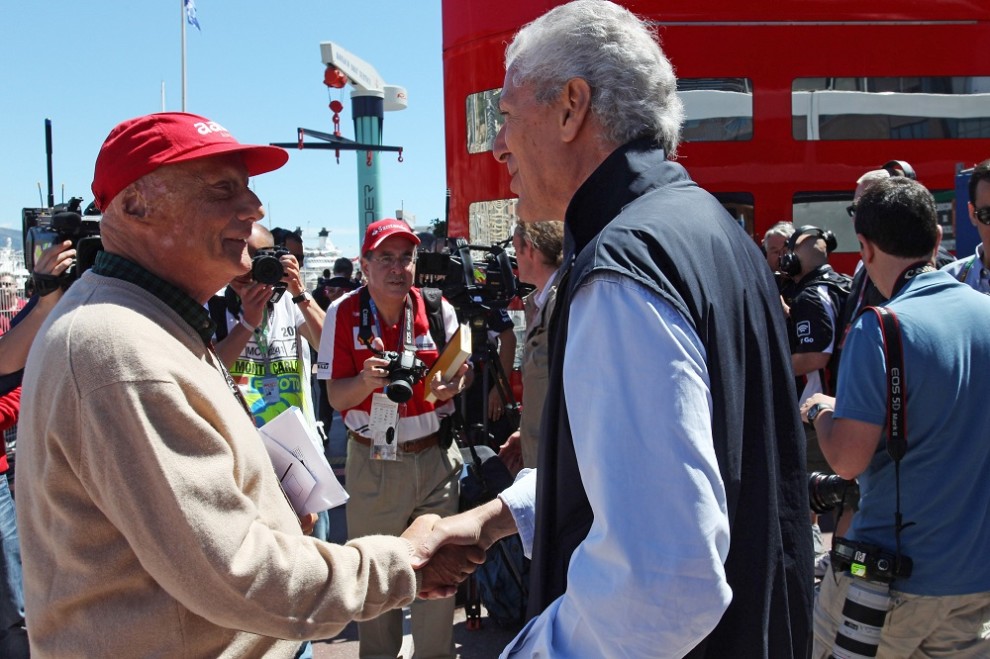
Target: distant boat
319, 259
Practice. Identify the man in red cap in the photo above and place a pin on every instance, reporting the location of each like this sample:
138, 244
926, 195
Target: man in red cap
398, 468
152, 521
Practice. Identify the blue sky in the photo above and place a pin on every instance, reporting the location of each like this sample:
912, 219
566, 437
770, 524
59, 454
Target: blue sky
255, 68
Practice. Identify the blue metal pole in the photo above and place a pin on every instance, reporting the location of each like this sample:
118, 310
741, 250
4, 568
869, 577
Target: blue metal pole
368, 117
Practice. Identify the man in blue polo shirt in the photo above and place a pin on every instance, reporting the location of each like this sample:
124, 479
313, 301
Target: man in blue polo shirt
943, 606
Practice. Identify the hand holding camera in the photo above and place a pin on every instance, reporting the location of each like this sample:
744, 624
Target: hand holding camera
397, 372
51, 267
267, 268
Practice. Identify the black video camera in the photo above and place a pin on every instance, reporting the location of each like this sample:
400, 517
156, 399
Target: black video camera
404, 370
869, 562
455, 275
44, 227
826, 491
266, 268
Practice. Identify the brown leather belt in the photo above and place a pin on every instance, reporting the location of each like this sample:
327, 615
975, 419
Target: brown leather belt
414, 446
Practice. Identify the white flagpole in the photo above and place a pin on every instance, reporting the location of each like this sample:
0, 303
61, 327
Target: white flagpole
182, 20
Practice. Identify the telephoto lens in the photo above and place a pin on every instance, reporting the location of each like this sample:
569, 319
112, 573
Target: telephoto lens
826, 491
863, 615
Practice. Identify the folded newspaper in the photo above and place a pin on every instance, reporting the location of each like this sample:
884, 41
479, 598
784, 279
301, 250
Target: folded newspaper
302, 469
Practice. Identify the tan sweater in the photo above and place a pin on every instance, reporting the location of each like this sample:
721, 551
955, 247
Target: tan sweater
151, 521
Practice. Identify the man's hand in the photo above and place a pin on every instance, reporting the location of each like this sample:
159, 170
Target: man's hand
817, 398
254, 297
447, 567
446, 389
51, 265
293, 279
511, 453
495, 406
308, 522
56, 259
374, 373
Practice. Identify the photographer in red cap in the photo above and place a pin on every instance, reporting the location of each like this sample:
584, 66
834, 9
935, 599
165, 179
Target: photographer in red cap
398, 465
152, 521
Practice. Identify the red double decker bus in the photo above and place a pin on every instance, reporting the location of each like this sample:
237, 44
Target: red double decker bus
787, 103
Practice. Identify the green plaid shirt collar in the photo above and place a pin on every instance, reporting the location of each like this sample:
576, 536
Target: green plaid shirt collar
111, 265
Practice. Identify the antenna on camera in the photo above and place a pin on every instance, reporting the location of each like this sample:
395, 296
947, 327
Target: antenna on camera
48, 153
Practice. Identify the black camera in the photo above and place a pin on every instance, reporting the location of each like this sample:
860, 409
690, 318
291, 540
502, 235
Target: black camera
455, 274
404, 370
44, 227
267, 268
868, 599
826, 491
869, 562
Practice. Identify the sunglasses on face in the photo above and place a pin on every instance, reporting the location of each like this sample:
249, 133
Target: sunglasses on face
851, 209
983, 215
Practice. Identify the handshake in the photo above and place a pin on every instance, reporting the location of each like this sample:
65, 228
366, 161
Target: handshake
445, 551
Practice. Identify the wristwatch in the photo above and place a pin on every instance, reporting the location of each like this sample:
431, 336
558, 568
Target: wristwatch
298, 299
817, 409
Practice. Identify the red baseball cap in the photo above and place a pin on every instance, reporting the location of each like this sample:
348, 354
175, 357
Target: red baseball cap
140, 146
382, 229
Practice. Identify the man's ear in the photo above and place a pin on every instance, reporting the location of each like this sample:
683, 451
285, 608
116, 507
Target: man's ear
867, 250
938, 242
576, 104
133, 202
972, 213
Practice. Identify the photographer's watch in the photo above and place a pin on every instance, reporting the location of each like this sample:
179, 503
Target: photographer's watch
299, 299
817, 409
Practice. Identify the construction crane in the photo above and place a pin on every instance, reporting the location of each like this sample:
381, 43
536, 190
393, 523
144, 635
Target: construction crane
370, 98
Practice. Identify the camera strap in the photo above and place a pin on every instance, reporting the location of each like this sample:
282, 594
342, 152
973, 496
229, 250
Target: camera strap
893, 352
369, 314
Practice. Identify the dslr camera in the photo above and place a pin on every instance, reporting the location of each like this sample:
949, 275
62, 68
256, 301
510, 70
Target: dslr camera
826, 491
266, 268
869, 562
44, 227
868, 599
404, 370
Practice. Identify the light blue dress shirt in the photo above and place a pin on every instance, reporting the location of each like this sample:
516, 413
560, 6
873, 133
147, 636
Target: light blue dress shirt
649, 579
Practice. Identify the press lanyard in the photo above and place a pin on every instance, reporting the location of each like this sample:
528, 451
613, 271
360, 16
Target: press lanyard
369, 309
238, 394
261, 336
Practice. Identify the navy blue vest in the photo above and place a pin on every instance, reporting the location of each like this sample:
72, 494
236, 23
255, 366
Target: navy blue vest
641, 216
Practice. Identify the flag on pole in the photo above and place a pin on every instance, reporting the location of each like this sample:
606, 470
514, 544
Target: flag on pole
191, 14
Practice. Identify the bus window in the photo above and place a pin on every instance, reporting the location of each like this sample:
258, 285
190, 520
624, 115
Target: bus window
716, 109
483, 120
740, 207
905, 108
827, 210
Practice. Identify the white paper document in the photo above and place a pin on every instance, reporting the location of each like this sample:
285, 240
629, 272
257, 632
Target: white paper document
306, 477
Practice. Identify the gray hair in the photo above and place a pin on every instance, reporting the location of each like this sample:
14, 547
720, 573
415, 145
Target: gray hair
633, 88
784, 229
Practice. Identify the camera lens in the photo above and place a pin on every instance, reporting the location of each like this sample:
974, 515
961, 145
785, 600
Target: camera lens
399, 391
826, 491
267, 269
863, 615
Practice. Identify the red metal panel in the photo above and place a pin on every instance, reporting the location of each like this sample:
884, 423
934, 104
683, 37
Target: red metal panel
770, 52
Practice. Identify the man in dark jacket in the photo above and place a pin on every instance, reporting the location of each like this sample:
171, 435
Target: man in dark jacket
670, 501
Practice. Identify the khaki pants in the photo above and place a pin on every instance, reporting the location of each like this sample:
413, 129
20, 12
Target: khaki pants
917, 626
385, 497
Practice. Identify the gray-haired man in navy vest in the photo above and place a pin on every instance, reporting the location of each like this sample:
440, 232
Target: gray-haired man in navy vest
669, 512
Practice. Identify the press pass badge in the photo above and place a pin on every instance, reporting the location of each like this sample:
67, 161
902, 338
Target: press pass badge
382, 426
270, 390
